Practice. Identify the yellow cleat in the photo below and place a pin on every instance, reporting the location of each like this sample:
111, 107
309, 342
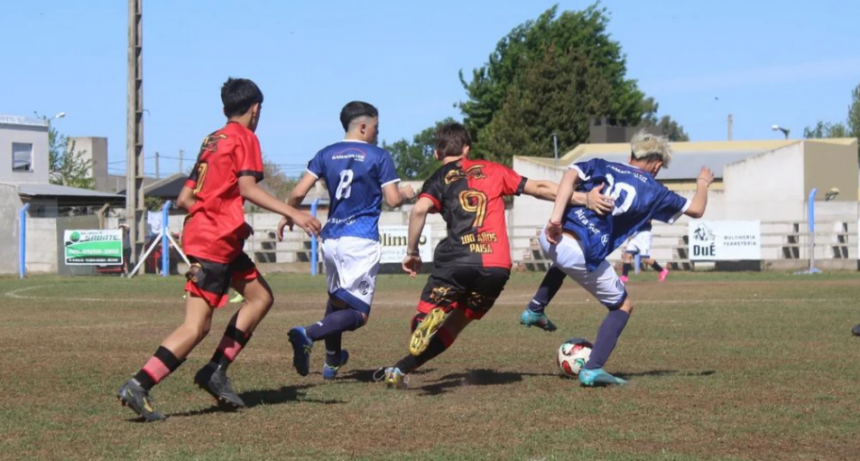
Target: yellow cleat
425, 330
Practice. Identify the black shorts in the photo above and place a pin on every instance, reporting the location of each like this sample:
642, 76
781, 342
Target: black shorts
211, 280
472, 288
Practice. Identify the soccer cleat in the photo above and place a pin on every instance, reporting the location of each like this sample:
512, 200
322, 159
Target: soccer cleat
856, 330
215, 381
425, 331
395, 379
663, 274
330, 371
624, 279
598, 377
534, 319
238, 298
137, 398
302, 347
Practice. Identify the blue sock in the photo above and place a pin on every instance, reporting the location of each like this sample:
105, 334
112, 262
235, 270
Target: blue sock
607, 338
332, 342
337, 322
552, 281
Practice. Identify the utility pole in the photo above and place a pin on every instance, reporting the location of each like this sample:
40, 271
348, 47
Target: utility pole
181, 171
157, 174
731, 122
134, 200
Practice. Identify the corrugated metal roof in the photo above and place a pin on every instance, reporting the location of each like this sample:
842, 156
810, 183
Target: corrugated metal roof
54, 190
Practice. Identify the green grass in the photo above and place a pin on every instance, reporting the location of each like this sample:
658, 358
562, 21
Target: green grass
722, 367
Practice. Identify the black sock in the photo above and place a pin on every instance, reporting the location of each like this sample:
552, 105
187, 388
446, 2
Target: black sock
440, 342
625, 269
656, 266
161, 364
231, 344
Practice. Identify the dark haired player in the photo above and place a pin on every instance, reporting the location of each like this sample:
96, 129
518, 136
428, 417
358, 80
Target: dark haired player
226, 174
358, 175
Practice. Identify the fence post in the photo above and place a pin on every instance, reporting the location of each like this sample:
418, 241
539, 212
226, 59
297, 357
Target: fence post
314, 244
22, 241
165, 242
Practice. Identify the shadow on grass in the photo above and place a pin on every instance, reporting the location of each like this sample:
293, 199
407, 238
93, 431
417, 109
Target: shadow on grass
367, 376
659, 373
475, 378
262, 397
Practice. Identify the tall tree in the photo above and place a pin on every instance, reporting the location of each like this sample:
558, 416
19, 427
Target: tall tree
540, 53
415, 160
67, 166
849, 129
668, 127
275, 180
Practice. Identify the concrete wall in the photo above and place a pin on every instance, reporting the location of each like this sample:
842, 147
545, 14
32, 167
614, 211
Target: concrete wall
35, 135
830, 165
9, 206
42, 245
769, 187
96, 150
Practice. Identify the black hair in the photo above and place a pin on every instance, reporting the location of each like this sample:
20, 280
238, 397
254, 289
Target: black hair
451, 138
238, 95
355, 109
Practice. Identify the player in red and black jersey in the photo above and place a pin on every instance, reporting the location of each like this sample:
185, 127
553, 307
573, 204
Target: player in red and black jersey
473, 263
226, 174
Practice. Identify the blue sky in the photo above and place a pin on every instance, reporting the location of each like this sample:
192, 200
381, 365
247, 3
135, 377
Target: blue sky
767, 62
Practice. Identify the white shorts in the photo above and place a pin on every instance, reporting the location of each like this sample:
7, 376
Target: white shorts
641, 244
351, 265
603, 283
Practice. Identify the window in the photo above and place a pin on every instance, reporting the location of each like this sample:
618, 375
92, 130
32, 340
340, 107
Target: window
22, 156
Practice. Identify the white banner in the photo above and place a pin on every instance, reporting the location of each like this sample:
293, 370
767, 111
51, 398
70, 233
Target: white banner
393, 240
725, 240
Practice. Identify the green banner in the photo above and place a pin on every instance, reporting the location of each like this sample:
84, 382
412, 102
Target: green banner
93, 247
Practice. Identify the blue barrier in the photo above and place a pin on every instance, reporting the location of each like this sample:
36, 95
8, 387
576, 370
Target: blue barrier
22, 240
165, 243
314, 244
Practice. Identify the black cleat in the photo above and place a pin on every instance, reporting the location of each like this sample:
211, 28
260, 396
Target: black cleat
218, 385
137, 398
856, 330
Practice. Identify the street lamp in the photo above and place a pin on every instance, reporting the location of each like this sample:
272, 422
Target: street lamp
785, 131
59, 115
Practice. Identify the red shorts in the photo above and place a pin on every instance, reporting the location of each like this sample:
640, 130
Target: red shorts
472, 288
211, 281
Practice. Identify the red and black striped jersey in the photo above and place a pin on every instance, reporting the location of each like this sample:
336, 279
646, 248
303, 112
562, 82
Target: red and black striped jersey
469, 195
215, 228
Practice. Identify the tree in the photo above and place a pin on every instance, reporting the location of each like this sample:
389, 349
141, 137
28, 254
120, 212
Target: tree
548, 75
668, 127
67, 167
849, 129
276, 181
826, 130
415, 160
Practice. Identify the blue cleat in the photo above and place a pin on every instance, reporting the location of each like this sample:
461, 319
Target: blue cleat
302, 347
533, 319
598, 377
330, 371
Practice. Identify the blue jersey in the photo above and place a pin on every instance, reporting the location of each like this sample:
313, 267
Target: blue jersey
355, 173
639, 198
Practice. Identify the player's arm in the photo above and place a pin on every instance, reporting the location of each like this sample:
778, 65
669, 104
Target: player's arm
395, 196
700, 200
186, 198
417, 219
301, 190
562, 198
252, 192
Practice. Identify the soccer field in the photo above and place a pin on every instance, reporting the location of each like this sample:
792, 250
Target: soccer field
741, 366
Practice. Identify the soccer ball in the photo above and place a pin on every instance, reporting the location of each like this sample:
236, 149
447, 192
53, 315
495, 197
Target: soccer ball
572, 355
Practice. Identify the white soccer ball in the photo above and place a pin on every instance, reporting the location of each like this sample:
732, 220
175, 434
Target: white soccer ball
572, 356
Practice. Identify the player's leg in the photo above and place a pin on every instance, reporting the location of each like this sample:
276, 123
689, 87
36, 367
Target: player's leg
662, 272
248, 282
627, 263
604, 284
534, 314
167, 358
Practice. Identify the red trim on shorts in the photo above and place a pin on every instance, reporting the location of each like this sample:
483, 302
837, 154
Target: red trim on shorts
246, 276
215, 300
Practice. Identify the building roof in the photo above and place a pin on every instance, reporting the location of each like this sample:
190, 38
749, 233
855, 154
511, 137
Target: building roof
22, 121
55, 190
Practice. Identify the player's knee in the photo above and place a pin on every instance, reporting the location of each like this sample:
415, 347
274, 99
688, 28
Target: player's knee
627, 306
364, 318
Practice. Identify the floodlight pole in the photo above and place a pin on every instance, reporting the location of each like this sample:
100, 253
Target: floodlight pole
134, 198
812, 269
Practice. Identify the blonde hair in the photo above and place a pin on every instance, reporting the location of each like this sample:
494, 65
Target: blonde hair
646, 144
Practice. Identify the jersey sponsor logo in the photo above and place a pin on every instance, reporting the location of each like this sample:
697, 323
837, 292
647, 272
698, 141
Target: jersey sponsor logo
473, 172
349, 155
480, 242
210, 143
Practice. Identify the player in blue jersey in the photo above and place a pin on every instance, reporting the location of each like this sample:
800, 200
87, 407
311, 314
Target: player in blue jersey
578, 240
359, 175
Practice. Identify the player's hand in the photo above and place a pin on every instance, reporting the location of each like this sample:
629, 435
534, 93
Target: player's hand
308, 223
706, 176
599, 203
407, 192
285, 222
553, 232
411, 265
